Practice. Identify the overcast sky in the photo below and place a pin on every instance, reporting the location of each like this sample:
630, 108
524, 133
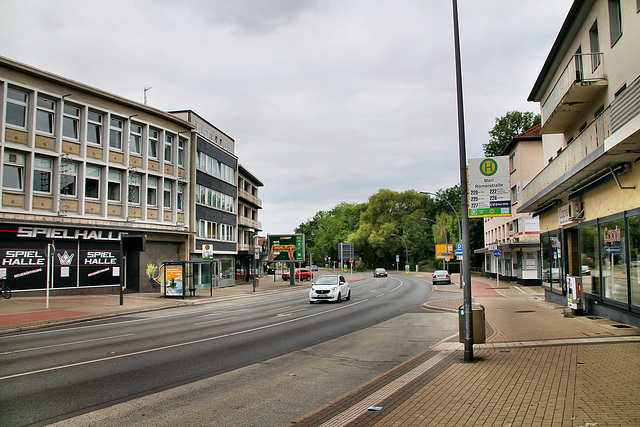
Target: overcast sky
328, 100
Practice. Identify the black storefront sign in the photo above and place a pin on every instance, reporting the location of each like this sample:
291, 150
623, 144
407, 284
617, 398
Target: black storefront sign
82, 257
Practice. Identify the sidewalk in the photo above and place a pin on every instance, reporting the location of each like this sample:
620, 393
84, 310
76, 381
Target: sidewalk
538, 367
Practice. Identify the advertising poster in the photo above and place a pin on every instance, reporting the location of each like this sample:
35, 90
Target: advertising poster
173, 280
286, 248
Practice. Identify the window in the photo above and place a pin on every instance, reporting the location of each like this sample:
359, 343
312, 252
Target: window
13, 171
113, 186
42, 168
634, 255
71, 122
115, 133
17, 102
167, 194
594, 43
92, 182
135, 138
590, 259
181, 152
153, 143
615, 21
68, 179
512, 163
152, 191
45, 115
168, 147
94, 128
180, 195
134, 189
614, 263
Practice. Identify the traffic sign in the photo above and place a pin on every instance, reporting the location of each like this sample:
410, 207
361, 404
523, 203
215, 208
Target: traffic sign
497, 253
612, 249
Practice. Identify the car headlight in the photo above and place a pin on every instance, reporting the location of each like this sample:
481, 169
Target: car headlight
335, 288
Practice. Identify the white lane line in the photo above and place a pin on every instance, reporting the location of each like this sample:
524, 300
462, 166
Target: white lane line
374, 399
65, 344
167, 347
289, 313
215, 321
397, 287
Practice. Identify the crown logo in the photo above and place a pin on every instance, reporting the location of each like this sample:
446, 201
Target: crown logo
66, 258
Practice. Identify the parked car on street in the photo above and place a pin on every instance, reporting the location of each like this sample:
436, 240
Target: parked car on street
300, 274
441, 276
329, 287
380, 272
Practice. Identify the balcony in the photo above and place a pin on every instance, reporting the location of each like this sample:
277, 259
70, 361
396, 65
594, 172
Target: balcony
243, 194
577, 89
558, 177
249, 223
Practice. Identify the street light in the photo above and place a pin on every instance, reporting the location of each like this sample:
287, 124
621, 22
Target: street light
256, 251
406, 250
445, 236
454, 211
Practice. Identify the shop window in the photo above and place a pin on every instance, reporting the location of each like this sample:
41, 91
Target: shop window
634, 258
42, 168
17, 104
590, 259
614, 265
13, 171
45, 115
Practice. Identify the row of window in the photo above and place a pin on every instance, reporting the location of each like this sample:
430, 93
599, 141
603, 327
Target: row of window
214, 231
211, 136
214, 199
13, 179
17, 107
216, 168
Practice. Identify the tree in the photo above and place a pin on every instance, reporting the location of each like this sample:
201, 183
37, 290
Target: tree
506, 127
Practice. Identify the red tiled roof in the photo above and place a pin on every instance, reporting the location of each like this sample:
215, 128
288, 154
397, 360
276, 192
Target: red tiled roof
531, 133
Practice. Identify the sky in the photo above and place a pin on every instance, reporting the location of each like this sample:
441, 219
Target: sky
328, 101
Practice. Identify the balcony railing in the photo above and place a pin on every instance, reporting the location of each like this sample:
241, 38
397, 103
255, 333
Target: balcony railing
586, 142
251, 223
581, 79
250, 197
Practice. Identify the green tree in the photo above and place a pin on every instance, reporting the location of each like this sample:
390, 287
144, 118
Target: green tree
506, 127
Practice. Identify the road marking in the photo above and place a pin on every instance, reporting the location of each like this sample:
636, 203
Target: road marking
61, 345
289, 313
215, 321
167, 347
278, 309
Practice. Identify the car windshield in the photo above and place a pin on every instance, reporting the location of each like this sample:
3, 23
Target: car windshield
327, 280
379, 270
441, 272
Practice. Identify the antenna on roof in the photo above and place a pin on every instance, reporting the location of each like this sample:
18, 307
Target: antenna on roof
146, 89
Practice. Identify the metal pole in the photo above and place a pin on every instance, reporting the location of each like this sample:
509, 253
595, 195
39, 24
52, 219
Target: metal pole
466, 249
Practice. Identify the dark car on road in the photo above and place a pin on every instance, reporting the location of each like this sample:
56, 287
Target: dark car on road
380, 272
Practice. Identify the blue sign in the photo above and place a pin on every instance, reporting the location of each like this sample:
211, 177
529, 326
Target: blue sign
497, 253
458, 246
612, 249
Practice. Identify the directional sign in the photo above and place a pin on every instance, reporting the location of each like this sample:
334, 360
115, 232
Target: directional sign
497, 253
489, 187
612, 249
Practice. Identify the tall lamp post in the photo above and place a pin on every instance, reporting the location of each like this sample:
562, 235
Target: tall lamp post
256, 255
445, 235
406, 250
452, 208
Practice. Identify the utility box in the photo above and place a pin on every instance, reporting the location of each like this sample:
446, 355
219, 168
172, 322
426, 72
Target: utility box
575, 300
479, 330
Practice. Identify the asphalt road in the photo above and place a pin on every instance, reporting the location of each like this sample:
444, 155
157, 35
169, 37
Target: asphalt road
263, 360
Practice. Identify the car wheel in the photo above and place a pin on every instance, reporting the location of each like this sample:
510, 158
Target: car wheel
349, 296
339, 298
311, 302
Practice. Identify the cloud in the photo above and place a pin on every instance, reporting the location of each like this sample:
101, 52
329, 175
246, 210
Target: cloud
327, 100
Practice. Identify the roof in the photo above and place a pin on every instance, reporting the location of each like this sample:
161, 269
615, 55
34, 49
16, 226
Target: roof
533, 134
245, 172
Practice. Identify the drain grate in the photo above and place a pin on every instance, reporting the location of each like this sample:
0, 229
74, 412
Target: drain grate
594, 317
621, 326
525, 311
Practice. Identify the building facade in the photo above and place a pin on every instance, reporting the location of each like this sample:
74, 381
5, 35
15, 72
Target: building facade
80, 168
214, 205
587, 197
249, 204
516, 236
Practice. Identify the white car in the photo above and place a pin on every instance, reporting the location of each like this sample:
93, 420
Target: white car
441, 276
329, 287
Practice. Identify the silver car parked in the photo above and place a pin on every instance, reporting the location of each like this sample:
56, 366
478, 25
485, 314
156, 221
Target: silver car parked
329, 287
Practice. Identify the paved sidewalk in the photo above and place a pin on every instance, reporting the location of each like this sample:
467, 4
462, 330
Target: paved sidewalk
538, 367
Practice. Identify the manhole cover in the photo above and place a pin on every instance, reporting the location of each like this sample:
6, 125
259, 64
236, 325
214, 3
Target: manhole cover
621, 326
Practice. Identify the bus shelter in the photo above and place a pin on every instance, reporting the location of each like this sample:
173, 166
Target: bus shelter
179, 277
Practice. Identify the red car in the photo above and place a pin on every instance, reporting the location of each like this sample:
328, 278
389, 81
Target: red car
300, 274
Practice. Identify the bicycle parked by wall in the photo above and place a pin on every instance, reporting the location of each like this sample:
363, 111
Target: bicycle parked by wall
6, 290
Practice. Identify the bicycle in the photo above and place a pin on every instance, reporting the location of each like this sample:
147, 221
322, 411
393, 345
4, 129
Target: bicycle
6, 290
